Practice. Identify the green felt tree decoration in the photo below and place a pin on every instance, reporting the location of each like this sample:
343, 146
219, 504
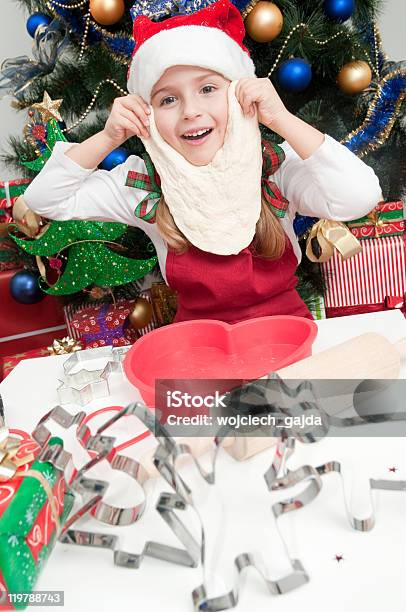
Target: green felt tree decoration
90, 260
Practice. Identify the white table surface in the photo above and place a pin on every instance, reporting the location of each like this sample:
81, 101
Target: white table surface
237, 510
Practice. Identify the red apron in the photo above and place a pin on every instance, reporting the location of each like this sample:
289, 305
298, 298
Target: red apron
234, 288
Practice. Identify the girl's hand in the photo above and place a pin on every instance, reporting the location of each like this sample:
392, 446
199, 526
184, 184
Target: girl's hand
27, 220
128, 117
252, 92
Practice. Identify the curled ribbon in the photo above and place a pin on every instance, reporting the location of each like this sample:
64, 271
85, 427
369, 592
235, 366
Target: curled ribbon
327, 235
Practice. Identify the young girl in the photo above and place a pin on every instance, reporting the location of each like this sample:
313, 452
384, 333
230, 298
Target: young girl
221, 227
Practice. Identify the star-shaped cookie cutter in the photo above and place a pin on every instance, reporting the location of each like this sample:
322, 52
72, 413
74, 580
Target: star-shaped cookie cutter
86, 385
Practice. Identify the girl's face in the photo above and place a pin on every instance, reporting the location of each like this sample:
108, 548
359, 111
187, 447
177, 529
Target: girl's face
189, 99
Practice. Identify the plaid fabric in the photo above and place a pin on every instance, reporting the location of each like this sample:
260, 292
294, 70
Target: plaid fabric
273, 155
148, 182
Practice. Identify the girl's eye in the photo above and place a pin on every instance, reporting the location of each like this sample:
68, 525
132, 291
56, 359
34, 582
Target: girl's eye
163, 102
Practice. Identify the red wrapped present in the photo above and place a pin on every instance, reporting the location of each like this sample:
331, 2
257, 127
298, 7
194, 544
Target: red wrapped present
9, 192
34, 503
104, 324
391, 302
82, 319
7, 364
24, 327
366, 279
385, 220
9, 254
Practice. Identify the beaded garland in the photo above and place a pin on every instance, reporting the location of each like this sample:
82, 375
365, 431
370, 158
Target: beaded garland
121, 45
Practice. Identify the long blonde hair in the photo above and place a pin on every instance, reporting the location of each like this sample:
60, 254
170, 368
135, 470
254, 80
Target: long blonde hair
270, 238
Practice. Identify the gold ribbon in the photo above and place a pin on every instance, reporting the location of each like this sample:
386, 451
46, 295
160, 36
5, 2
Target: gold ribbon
10, 464
374, 219
330, 235
64, 346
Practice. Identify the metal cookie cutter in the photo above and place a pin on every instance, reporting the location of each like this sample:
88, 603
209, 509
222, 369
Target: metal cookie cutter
86, 385
103, 448
97, 444
188, 556
165, 462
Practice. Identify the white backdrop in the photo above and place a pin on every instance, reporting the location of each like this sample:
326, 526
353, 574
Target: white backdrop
14, 40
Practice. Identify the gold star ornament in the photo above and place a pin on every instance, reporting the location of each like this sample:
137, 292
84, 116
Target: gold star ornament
49, 109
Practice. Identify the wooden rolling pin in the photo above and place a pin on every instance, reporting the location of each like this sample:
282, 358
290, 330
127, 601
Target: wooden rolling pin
369, 356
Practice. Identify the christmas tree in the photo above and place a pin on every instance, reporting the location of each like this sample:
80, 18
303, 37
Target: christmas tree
325, 58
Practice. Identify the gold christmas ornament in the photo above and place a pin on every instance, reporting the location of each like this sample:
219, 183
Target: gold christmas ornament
264, 22
48, 109
107, 12
142, 314
354, 77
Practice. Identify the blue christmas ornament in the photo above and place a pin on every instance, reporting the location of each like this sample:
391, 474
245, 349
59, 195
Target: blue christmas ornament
339, 10
36, 20
294, 74
25, 289
301, 224
115, 158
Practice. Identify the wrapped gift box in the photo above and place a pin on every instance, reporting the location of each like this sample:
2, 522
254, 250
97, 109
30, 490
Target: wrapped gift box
9, 192
390, 303
369, 279
83, 322
27, 523
165, 303
317, 307
9, 255
385, 220
103, 324
24, 327
8, 363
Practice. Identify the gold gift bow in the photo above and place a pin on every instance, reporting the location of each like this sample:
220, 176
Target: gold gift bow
64, 346
10, 464
331, 235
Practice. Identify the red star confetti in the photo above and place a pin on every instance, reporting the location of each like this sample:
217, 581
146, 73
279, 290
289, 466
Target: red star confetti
339, 558
393, 469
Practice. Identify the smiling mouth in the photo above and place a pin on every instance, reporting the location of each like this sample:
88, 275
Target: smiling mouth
199, 136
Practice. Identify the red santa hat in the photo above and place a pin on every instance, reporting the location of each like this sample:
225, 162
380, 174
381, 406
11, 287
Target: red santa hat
210, 38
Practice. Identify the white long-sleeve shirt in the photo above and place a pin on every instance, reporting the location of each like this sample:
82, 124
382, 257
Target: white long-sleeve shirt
332, 183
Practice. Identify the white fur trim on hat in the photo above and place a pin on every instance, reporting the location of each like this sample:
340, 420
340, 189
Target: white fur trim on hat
192, 45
